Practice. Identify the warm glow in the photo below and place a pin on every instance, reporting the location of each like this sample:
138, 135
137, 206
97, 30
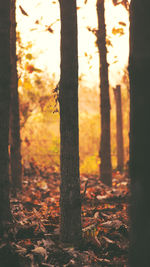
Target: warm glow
46, 46
45, 56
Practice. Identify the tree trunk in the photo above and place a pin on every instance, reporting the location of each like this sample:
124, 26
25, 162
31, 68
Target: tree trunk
70, 202
15, 145
139, 71
4, 110
105, 150
119, 129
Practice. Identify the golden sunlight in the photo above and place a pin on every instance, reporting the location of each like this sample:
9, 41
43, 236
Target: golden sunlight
46, 50
38, 25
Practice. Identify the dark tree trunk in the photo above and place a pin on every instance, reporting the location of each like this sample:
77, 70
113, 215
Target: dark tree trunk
15, 146
119, 129
4, 110
70, 202
139, 71
105, 149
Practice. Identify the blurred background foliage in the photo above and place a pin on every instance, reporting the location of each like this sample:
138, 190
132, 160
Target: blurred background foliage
39, 118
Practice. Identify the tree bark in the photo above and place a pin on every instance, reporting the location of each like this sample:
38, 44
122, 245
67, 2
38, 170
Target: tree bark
14, 135
105, 149
139, 71
119, 129
70, 202
4, 110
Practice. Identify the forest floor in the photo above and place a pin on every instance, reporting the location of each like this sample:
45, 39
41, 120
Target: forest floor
32, 240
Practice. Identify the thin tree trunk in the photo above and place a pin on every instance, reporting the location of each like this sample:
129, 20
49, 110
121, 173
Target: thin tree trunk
4, 111
105, 149
139, 71
70, 202
15, 145
119, 129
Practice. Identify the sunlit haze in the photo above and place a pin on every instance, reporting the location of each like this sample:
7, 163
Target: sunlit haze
46, 45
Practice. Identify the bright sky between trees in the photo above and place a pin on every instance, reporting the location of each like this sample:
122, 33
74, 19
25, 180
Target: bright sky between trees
46, 45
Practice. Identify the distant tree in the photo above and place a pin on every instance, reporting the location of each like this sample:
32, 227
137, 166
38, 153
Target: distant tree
105, 149
139, 71
14, 134
70, 202
4, 110
119, 128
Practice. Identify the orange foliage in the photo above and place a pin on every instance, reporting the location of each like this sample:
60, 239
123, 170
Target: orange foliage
39, 117
40, 127
29, 68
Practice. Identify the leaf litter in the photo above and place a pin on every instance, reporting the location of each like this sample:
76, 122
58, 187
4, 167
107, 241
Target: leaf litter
32, 239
